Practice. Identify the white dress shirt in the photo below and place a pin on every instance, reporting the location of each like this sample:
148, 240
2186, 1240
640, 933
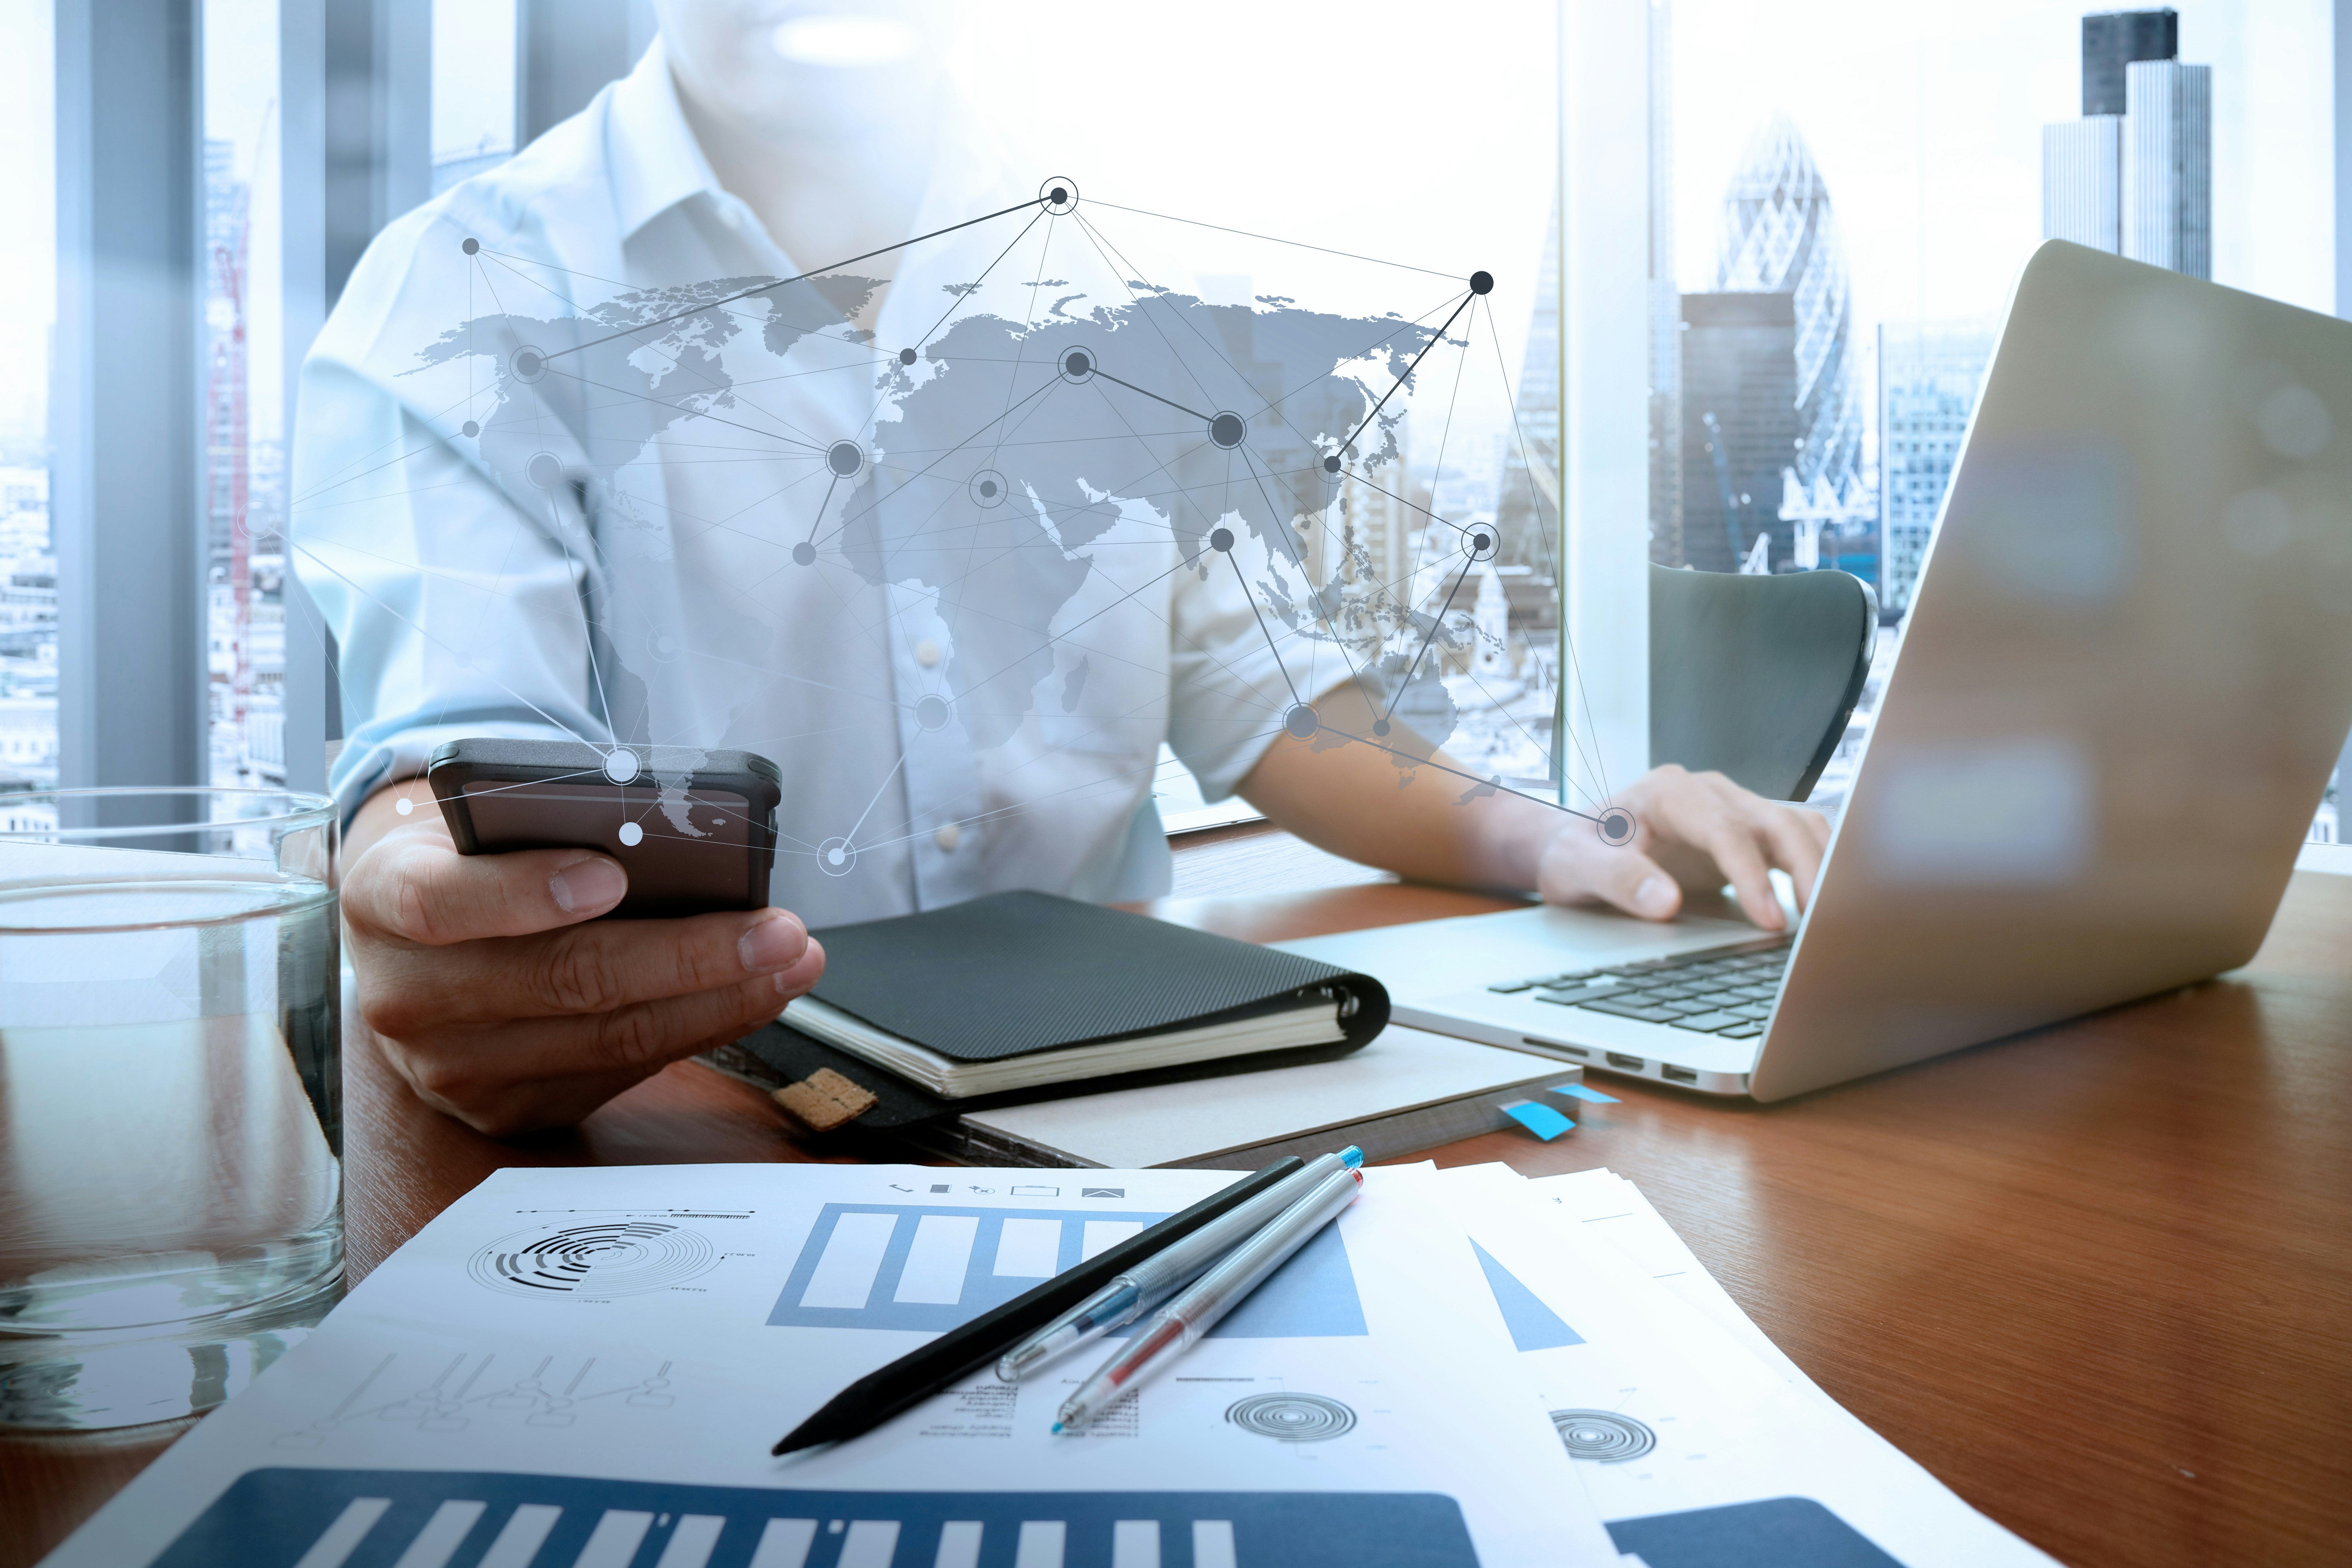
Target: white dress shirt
501, 556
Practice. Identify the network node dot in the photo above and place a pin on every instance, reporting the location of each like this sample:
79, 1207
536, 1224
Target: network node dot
1479, 541
987, 489
631, 835
844, 457
1221, 539
1301, 723
1058, 193
620, 764
1227, 431
1381, 726
545, 469
471, 247
803, 553
835, 856
1331, 463
403, 805
1482, 283
1615, 826
906, 356
1078, 364
933, 712
527, 364
469, 429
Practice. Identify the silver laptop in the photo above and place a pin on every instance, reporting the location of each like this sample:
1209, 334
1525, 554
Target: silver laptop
2125, 677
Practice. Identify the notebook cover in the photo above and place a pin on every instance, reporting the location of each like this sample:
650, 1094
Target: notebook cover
1018, 972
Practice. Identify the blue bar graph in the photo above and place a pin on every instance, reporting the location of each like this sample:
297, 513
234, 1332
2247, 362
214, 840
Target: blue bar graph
424, 1519
881, 1266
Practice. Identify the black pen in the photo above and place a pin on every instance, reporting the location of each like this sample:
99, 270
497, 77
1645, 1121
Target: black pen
960, 1352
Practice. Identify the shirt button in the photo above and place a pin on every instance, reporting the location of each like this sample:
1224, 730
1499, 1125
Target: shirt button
927, 653
949, 836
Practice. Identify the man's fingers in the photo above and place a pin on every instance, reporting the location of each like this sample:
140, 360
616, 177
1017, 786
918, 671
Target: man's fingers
1797, 847
1733, 844
590, 968
416, 888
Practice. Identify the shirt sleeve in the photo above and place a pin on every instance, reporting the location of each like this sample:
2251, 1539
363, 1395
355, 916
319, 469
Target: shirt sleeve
456, 611
1235, 669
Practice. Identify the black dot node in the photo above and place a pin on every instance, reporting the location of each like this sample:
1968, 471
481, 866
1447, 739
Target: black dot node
469, 429
844, 457
1221, 539
1380, 726
1060, 193
1301, 723
1331, 464
471, 247
988, 488
1482, 283
803, 555
1615, 826
1078, 364
529, 364
1227, 431
906, 356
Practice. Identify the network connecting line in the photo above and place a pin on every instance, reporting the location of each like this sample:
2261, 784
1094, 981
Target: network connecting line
1004, 469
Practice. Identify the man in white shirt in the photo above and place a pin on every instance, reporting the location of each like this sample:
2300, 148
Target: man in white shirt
571, 464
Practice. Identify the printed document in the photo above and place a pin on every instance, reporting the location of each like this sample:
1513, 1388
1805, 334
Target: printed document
586, 1369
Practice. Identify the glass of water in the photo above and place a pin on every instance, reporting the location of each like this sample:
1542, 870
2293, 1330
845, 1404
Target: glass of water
171, 1135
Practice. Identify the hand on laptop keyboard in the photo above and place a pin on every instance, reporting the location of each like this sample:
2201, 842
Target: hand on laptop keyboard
1722, 990
1692, 832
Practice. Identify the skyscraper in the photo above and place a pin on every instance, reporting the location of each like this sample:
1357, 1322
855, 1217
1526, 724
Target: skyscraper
1780, 236
1928, 375
1740, 424
2134, 175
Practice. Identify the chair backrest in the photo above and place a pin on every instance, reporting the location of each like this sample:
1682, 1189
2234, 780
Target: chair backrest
1755, 676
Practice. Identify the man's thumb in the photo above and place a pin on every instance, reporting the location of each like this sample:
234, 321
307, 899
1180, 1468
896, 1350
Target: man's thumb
1635, 883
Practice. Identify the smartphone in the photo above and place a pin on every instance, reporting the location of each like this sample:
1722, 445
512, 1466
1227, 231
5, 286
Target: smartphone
695, 830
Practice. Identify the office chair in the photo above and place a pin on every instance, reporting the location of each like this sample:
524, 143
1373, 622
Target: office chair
1755, 676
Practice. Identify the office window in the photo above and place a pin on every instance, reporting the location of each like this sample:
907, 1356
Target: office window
28, 566
1888, 169
473, 87
242, 401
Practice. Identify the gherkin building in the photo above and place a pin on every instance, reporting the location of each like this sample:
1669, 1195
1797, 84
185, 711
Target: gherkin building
1779, 237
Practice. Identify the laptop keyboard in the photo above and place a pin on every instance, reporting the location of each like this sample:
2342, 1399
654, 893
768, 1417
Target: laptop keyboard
1724, 991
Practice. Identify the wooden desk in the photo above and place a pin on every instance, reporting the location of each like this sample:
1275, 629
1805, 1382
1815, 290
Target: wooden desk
2098, 1279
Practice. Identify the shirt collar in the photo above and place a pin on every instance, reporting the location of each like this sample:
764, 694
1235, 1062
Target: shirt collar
655, 159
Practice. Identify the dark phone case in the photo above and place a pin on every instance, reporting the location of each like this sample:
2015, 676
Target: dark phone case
706, 820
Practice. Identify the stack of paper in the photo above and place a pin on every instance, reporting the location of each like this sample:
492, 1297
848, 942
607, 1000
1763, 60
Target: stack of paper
586, 1369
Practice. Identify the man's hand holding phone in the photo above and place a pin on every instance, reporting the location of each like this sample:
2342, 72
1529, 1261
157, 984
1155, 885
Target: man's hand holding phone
502, 999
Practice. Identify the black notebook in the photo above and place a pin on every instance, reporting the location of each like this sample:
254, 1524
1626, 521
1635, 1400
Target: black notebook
1025, 994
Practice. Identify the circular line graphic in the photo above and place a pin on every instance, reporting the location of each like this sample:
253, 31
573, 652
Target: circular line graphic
624, 1258
1292, 1417
1603, 1436
1615, 827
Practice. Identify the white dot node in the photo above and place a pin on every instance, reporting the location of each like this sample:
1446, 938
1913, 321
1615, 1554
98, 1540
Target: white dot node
631, 835
403, 805
621, 764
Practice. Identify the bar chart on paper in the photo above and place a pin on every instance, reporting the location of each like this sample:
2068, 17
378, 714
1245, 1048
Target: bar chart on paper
878, 1266
416, 1519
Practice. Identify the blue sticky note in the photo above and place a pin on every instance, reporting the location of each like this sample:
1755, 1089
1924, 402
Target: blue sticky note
1540, 1120
1577, 1092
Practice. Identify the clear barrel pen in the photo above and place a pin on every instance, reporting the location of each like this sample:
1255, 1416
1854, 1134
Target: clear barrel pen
1160, 1276
1183, 1320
